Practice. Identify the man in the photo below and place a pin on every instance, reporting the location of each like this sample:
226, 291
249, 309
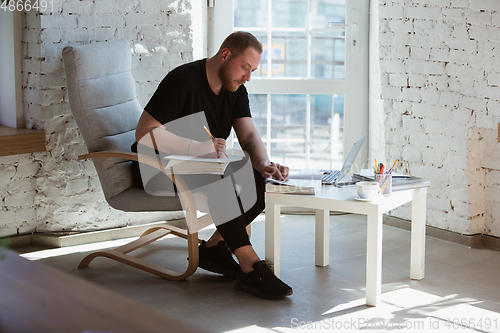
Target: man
215, 86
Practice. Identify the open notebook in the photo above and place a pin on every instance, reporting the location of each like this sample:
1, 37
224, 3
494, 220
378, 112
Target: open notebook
183, 164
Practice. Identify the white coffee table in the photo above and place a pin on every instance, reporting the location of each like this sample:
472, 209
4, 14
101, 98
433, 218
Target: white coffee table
330, 198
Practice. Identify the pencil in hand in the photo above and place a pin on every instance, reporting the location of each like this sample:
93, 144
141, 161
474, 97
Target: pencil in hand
206, 129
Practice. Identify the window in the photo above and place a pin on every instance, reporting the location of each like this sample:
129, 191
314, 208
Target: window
309, 97
11, 108
14, 138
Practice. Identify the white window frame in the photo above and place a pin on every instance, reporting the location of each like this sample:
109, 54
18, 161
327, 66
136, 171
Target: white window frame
11, 98
354, 87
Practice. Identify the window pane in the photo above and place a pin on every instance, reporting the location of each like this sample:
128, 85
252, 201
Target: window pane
339, 69
338, 132
294, 159
327, 55
320, 132
289, 51
290, 131
258, 107
289, 13
321, 110
250, 14
288, 110
325, 11
262, 69
326, 131
289, 54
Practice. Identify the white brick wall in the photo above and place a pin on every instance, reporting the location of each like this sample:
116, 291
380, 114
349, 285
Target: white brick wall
439, 81
53, 191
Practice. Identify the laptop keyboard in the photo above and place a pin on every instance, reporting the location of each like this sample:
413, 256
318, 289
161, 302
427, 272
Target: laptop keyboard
329, 175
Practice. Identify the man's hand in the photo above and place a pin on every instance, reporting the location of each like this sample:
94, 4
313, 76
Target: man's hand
213, 148
276, 171
220, 147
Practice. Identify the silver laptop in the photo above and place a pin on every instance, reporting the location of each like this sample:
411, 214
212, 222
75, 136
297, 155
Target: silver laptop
332, 177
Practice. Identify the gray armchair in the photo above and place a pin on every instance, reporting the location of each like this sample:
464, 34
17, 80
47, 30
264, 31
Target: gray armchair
103, 102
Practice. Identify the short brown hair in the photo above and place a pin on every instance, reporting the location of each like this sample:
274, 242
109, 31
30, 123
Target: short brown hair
239, 41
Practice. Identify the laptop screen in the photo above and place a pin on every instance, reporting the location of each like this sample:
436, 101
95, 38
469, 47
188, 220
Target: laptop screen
351, 157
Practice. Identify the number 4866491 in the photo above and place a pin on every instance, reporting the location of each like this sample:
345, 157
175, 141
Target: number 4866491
27, 5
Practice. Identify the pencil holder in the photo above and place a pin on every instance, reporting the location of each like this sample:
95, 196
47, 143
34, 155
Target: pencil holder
385, 183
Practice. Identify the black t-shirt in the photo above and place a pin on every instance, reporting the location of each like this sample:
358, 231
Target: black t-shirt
185, 91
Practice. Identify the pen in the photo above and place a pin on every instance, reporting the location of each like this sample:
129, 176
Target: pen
382, 168
393, 166
206, 129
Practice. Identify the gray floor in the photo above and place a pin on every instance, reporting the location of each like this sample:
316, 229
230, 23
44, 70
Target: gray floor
460, 286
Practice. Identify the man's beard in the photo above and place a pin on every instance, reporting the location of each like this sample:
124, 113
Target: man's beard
225, 77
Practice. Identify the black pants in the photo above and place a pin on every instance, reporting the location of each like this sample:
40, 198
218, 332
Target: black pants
233, 231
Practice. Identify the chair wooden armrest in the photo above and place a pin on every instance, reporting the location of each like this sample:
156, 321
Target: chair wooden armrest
110, 153
153, 162
124, 155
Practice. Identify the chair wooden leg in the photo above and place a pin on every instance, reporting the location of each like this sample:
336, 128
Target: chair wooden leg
120, 254
174, 230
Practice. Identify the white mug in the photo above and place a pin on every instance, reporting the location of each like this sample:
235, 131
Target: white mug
367, 190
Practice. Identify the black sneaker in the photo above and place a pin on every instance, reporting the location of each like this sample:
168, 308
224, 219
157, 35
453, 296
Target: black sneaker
218, 259
262, 282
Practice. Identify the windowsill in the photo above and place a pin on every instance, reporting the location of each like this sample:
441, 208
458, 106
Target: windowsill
16, 141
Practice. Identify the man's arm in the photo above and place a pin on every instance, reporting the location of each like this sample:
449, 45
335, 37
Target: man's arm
152, 133
251, 142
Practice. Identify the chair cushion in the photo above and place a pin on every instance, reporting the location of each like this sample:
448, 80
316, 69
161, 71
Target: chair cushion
137, 200
103, 102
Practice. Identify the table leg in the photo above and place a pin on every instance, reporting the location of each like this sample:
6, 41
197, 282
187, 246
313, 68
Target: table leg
417, 268
322, 237
272, 231
373, 259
